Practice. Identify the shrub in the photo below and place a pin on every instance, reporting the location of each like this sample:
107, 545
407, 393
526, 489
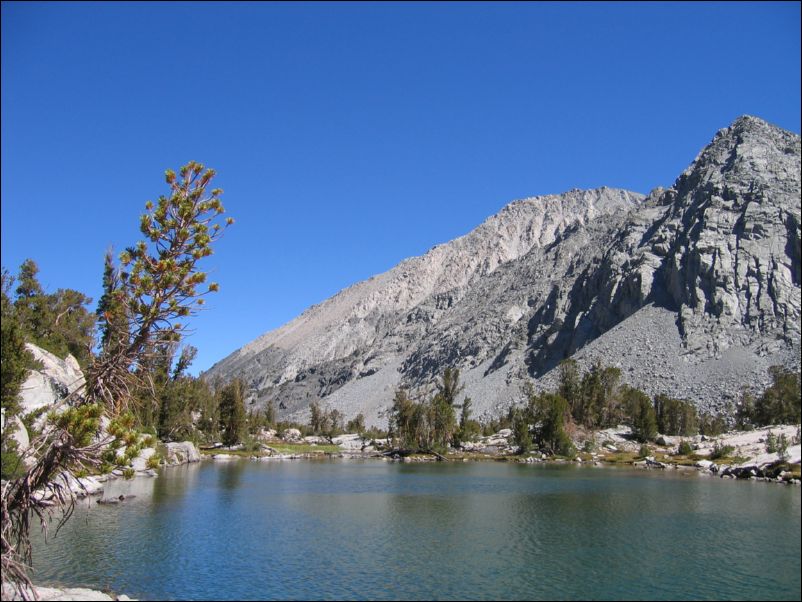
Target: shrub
721, 451
154, 461
128, 474
782, 446
644, 451
685, 448
132, 452
566, 448
771, 443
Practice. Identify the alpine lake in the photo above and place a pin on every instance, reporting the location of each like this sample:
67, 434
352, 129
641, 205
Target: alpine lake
370, 529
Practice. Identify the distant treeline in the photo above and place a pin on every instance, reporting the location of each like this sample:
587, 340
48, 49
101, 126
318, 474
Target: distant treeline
594, 400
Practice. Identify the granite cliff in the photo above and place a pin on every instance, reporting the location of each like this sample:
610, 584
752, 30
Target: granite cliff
692, 290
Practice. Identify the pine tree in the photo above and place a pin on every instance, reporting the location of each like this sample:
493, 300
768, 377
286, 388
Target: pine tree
156, 287
232, 412
641, 412
15, 359
157, 283
570, 386
270, 413
781, 403
404, 421
58, 322
449, 386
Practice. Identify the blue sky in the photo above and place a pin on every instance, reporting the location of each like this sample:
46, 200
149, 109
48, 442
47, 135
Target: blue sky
348, 137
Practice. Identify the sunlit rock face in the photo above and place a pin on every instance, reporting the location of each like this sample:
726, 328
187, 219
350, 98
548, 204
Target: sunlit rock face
692, 291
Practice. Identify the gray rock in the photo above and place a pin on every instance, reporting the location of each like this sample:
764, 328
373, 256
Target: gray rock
692, 291
225, 457
184, 452
140, 463
50, 384
292, 435
56, 594
350, 441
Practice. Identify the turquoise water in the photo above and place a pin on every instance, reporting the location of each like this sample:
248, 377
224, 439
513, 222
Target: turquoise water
375, 530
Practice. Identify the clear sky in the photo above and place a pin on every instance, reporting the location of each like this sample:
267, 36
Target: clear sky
348, 137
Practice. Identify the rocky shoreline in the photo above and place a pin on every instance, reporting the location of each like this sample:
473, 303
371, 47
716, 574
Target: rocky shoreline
748, 458
59, 594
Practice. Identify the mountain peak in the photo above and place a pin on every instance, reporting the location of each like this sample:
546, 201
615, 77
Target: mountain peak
748, 156
693, 295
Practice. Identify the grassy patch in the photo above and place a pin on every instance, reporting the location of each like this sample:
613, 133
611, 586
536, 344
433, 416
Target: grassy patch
679, 460
620, 457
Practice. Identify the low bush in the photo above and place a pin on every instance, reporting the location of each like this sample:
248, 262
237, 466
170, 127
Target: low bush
721, 451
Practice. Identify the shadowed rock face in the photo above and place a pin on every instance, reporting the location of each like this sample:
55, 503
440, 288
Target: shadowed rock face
692, 291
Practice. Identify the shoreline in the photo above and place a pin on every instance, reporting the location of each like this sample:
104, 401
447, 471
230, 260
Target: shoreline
746, 459
56, 593
723, 471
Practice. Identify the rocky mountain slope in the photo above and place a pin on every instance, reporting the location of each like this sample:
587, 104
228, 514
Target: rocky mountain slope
692, 291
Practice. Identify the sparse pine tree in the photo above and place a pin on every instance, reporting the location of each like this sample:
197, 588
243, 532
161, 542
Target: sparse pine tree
570, 386
317, 418
356, 424
232, 412
449, 386
270, 413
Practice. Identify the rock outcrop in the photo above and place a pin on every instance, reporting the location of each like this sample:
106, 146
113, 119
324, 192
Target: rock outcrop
44, 389
47, 385
183, 452
59, 594
692, 291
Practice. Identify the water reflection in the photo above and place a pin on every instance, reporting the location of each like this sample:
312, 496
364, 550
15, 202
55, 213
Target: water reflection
354, 530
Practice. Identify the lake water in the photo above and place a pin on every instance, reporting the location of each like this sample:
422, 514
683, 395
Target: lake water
344, 529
